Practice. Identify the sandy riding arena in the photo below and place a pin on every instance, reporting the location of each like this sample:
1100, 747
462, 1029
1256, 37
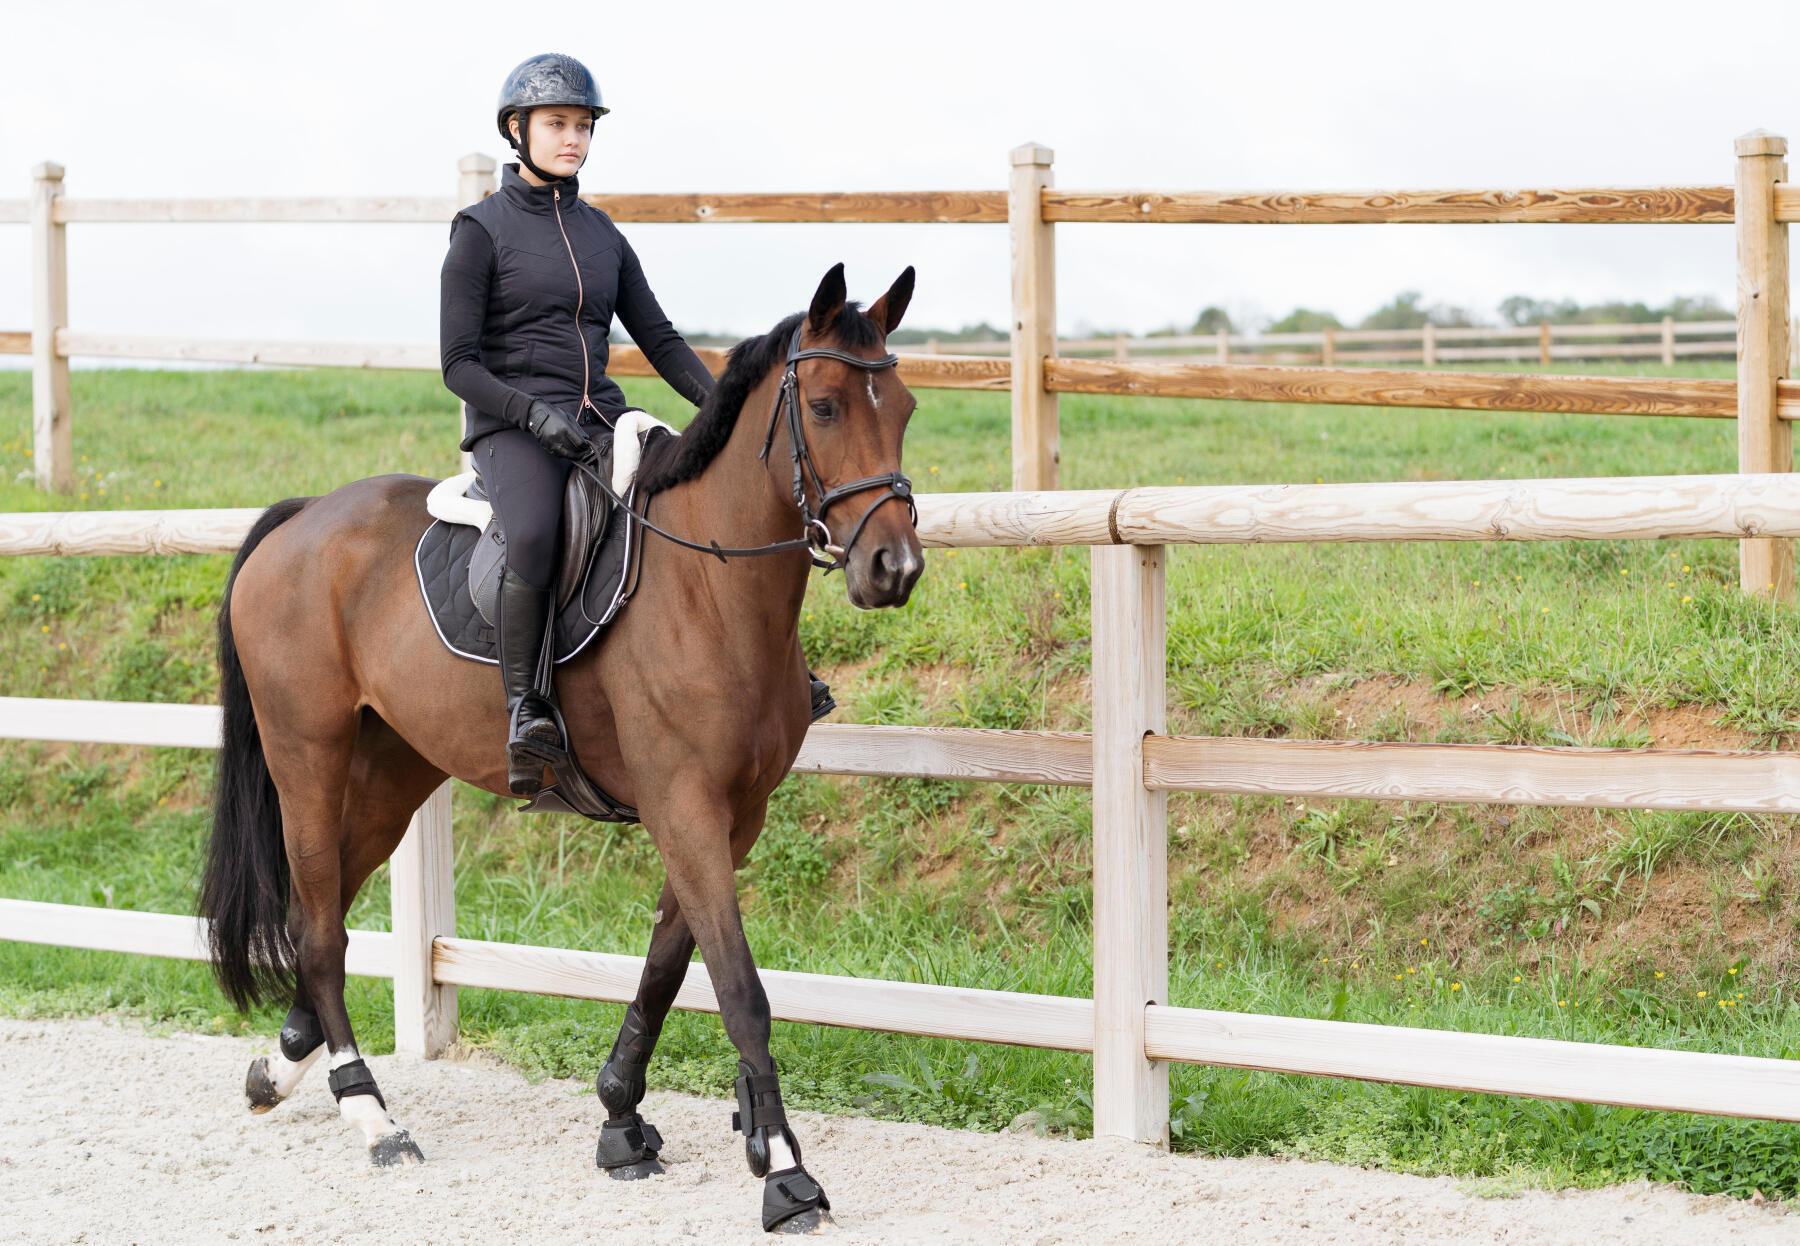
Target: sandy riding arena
108, 1134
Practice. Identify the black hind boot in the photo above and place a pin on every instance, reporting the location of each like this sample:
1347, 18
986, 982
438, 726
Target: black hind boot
533, 740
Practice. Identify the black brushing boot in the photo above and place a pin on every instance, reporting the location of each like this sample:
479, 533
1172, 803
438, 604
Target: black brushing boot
628, 1143
792, 1201
533, 740
822, 701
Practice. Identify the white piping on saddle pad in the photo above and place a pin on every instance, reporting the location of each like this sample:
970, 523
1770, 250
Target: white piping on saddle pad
446, 500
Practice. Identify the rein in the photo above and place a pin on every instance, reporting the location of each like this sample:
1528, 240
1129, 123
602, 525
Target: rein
818, 536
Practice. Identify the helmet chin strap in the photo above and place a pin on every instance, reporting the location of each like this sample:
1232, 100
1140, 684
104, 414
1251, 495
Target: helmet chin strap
523, 147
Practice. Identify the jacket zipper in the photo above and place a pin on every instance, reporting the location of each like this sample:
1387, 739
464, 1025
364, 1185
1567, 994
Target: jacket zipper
586, 402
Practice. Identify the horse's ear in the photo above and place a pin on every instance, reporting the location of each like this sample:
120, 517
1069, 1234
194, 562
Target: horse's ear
887, 310
828, 300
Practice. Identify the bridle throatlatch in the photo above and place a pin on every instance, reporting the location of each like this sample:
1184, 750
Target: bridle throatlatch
898, 484
817, 536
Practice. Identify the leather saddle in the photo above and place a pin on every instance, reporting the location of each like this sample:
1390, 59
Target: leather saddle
586, 511
458, 559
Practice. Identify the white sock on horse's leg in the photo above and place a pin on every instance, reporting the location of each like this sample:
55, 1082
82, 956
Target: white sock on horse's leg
363, 1111
367, 1114
781, 1155
285, 1074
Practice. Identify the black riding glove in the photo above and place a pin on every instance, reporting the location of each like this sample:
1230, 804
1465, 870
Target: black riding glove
557, 432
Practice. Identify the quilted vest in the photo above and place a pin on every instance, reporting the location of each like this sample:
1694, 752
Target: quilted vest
550, 303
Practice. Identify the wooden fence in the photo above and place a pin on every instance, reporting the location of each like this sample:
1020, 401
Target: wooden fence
1760, 204
1129, 761
1426, 345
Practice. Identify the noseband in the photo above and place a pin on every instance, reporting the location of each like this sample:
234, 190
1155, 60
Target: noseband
787, 399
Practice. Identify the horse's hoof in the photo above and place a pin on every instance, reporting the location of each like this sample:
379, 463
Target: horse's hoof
815, 1220
637, 1171
794, 1203
259, 1087
395, 1150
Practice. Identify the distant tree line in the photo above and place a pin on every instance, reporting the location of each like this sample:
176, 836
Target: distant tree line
1406, 310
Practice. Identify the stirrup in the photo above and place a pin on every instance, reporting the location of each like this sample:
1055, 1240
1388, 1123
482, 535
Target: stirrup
529, 752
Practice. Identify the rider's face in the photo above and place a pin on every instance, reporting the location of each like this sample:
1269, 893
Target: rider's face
559, 138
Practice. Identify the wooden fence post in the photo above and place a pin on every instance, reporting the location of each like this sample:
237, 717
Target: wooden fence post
475, 181
1765, 441
1222, 349
1428, 345
1328, 348
52, 448
1131, 865
1036, 454
1544, 352
1668, 341
421, 876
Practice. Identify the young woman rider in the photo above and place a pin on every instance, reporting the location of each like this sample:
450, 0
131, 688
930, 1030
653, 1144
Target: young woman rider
530, 286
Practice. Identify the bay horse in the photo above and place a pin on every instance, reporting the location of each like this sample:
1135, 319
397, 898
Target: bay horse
342, 712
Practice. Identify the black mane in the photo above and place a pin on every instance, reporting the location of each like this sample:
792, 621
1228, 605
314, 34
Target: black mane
673, 460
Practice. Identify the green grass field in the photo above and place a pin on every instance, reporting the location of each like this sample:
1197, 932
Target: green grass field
1666, 930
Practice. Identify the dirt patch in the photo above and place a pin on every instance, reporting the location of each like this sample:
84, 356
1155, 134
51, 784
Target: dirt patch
108, 1134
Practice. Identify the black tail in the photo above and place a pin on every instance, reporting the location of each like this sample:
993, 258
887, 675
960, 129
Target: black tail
244, 894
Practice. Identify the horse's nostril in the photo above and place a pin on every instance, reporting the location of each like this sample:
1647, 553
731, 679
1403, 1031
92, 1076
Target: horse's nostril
884, 573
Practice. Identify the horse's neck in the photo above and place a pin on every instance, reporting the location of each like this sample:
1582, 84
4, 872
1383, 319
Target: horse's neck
735, 502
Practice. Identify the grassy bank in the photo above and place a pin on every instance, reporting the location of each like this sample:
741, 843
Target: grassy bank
1668, 930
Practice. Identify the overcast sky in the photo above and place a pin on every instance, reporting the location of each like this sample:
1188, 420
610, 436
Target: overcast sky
194, 99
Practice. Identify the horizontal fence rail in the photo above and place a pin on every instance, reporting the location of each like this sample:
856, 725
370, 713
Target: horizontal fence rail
1595, 508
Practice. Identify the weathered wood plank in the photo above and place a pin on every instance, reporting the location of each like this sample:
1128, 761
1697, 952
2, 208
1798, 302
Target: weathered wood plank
950, 207
218, 531
1765, 441
1059, 757
1053, 1021
1597, 778
15, 342
155, 934
1131, 867
390, 209
1643, 1077
1464, 391
1036, 435
109, 722
1597, 205
423, 907
1598, 508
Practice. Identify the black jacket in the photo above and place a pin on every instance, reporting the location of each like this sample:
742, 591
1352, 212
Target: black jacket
520, 264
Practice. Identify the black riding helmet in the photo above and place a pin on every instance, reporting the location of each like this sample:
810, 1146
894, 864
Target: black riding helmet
550, 78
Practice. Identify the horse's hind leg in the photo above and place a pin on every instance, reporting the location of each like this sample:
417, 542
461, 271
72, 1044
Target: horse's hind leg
346, 800
273, 1078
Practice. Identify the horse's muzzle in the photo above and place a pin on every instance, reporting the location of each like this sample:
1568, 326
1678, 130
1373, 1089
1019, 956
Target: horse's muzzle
883, 574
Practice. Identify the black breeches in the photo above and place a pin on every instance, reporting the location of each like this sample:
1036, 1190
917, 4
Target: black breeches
525, 483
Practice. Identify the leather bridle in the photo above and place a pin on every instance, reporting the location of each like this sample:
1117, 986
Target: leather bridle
817, 535
787, 398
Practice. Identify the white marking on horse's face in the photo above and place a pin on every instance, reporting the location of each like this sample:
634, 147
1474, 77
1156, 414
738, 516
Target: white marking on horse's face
781, 1155
286, 1073
869, 380
367, 1114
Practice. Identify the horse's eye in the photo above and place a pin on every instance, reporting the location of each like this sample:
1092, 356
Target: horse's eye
824, 411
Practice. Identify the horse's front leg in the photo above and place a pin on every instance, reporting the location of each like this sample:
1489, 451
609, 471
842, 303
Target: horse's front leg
628, 1144
697, 846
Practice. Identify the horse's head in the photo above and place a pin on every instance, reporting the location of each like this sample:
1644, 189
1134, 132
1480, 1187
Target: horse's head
851, 409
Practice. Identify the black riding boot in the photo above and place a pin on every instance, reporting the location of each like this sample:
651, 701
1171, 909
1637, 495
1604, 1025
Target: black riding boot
533, 740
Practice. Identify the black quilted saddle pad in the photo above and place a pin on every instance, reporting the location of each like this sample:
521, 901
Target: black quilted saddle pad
442, 563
